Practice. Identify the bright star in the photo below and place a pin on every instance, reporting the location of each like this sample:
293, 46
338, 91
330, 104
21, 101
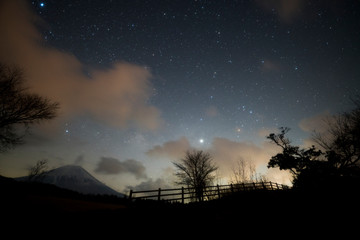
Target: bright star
201, 140
42, 4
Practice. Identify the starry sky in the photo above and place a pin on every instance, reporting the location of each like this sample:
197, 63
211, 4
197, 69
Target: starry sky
141, 82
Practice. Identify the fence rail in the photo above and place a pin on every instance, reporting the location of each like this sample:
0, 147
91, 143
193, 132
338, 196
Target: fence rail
185, 195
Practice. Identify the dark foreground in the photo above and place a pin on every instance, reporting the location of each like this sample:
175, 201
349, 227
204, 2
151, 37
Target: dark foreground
32, 209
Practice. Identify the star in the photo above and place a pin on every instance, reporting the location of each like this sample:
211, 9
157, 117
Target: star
192, 69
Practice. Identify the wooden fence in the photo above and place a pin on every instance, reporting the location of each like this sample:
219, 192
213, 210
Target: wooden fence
185, 195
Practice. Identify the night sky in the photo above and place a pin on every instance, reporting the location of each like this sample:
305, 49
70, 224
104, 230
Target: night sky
140, 82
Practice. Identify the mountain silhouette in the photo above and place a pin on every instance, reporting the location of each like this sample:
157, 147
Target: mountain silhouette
75, 178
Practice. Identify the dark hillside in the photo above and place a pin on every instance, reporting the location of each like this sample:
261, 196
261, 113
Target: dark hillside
37, 205
37, 199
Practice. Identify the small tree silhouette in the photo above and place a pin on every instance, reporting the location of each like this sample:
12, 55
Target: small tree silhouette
245, 172
196, 171
300, 162
38, 170
18, 107
337, 167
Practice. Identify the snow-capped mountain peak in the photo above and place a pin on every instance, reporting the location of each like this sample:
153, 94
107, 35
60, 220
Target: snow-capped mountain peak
77, 179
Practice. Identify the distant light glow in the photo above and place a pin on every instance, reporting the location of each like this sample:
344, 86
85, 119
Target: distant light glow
42, 4
201, 140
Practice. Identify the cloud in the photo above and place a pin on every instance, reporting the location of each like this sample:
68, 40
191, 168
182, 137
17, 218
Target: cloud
151, 184
287, 10
316, 123
270, 66
116, 96
108, 165
212, 111
172, 150
79, 160
265, 132
226, 153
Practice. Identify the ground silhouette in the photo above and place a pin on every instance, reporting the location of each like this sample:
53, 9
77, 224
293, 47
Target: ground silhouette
34, 205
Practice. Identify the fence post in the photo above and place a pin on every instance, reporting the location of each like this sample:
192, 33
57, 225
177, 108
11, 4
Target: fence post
218, 189
271, 186
232, 188
130, 195
182, 195
159, 194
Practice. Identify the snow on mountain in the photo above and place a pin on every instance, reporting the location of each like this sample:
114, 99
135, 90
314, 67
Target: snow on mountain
77, 179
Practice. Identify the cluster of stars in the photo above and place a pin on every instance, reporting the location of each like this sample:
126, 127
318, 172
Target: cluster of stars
242, 60
218, 71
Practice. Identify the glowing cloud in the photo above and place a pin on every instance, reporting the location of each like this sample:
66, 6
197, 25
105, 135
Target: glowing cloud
226, 153
287, 10
116, 96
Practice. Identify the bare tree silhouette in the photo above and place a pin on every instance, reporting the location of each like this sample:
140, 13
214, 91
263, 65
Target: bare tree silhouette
38, 170
19, 108
341, 141
244, 171
196, 171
